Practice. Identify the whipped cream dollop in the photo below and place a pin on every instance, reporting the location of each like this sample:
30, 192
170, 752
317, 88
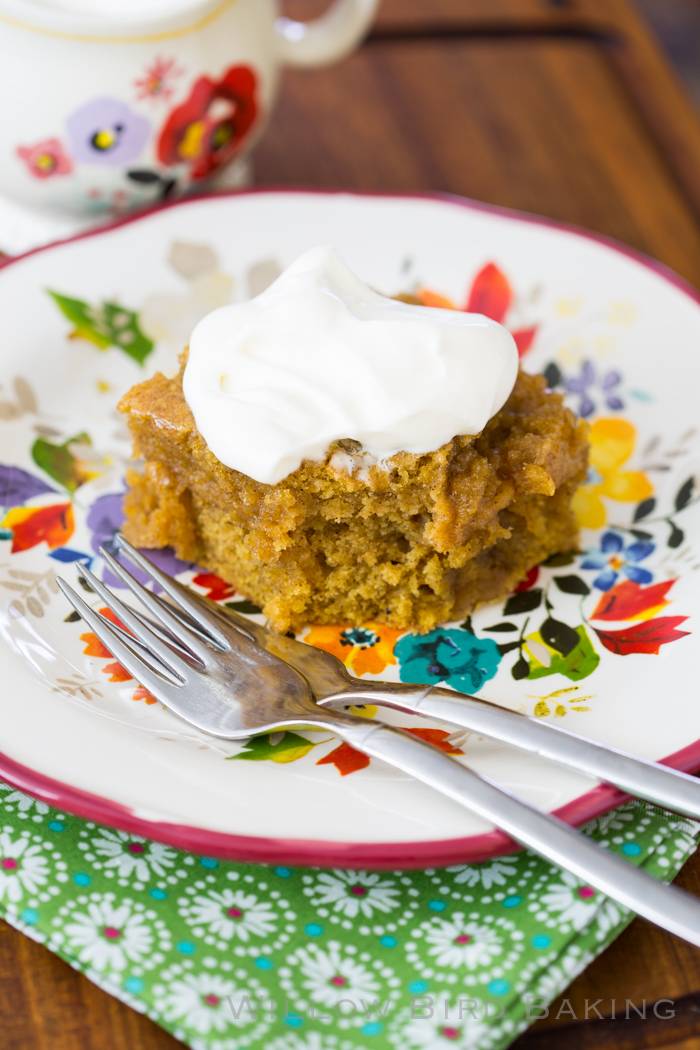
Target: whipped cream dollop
319, 357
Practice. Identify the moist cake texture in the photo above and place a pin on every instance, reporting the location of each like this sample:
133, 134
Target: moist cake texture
413, 542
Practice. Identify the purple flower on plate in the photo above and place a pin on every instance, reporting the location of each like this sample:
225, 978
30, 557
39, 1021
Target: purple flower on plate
17, 486
614, 557
588, 382
105, 518
107, 131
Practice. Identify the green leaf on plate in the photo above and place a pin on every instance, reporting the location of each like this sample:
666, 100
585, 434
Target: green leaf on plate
677, 535
108, 324
507, 647
562, 558
287, 747
579, 662
572, 585
244, 607
559, 636
522, 601
520, 669
644, 509
685, 494
59, 462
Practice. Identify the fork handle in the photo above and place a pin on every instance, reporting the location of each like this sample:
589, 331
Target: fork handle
665, 787
666, 906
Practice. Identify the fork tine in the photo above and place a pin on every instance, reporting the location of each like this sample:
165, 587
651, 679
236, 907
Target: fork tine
145, 674
176, 591
139, 647
160, 632
144, 634
229, 617
184, 635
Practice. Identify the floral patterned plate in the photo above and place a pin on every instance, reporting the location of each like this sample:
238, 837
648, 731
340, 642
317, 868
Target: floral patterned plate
600, 642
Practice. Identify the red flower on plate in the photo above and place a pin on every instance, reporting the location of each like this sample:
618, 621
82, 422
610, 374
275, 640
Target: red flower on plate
491, 294
206, 130
45, 159
347, 759
216, 588
30, 526
645, 637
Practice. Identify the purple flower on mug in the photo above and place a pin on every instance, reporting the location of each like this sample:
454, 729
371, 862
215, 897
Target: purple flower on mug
107, 131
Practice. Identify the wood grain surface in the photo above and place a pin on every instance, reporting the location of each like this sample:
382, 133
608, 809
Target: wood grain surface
567, 109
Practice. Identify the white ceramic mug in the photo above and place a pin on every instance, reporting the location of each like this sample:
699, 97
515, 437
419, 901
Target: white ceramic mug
109, 104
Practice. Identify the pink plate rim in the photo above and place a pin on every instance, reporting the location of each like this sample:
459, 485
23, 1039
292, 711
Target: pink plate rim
303, 852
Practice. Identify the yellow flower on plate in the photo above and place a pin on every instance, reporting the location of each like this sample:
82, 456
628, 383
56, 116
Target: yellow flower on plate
612, 444
364, 650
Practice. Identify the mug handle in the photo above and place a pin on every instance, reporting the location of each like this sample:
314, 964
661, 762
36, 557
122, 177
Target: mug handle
326, 39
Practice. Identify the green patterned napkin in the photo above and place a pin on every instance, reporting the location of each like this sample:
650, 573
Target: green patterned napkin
236, 956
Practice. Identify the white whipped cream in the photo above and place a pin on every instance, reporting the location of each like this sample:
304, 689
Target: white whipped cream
319, 356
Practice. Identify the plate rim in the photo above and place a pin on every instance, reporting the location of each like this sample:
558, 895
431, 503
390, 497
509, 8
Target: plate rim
312, 852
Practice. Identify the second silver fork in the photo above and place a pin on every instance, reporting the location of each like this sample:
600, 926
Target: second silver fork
333, 687
221, 682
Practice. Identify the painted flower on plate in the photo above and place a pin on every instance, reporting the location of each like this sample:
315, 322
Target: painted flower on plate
172, 316
354, 892
132, 855
17, 486
230, 914
46, 159
492, 294
206, 130
590, 385
106, 131
449, 655
614, 557
110, 934
23, 867
364, 650
490, 873
612, 444
30, 526
104, 519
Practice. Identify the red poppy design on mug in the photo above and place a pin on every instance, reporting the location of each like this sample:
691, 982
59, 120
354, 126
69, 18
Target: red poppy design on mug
45, 159
206, 130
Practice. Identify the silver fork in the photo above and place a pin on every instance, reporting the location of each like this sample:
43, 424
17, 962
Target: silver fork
220, 681
333, 687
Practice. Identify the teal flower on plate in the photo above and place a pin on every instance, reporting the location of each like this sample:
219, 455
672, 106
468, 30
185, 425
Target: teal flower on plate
448, 655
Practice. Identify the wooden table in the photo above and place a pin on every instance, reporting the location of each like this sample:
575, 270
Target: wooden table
563, 108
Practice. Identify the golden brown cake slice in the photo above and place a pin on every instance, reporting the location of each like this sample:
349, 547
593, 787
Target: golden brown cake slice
413, 542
